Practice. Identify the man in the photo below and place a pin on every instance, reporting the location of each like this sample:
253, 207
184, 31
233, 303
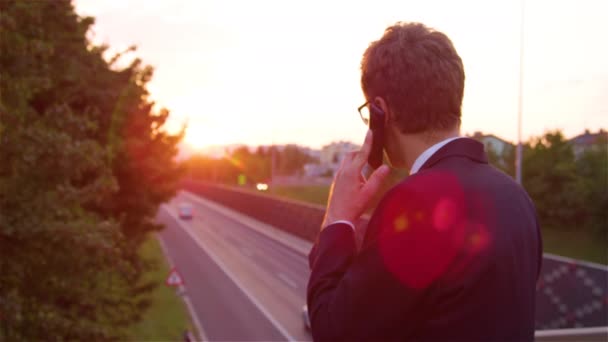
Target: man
450, 253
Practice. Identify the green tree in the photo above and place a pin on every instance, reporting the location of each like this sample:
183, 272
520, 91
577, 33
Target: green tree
212, 170
494, 158
292, 160
592, 169
85, 162
260, 152
550, 177
504, 161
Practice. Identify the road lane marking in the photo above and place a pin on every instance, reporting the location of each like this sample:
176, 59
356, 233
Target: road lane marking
280, 236
287, 280
232, 277
248, 253
182, 289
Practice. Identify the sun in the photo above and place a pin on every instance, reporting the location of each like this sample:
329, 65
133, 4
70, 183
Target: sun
196, 140
199, 138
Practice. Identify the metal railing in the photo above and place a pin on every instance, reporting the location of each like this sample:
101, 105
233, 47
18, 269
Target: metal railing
572, 297
573, 335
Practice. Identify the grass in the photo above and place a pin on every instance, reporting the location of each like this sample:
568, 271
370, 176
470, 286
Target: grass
316, 194
578, 245
575, 245
167, 318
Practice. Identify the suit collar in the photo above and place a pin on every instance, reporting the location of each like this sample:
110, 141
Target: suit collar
464, 147
428, 153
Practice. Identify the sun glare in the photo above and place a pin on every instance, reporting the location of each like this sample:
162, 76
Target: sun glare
200, 138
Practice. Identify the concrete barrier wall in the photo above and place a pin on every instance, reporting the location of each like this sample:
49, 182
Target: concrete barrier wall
571, 294
296, 218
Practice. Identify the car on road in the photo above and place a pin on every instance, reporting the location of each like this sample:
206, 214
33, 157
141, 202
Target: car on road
305, 317
185, 211
262, 186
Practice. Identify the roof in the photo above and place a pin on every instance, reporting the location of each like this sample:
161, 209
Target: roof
589, 138
479, 136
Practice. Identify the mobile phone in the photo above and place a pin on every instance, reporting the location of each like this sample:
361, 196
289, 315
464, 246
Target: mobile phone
376, 124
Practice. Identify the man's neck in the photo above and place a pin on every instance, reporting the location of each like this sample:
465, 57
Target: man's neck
419, 143
428, 153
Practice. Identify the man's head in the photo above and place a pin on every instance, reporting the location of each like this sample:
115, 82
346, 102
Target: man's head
415, 75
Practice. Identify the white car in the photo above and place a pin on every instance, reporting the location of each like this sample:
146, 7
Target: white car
185, 211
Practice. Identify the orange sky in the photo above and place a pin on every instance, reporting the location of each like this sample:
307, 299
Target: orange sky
271, 71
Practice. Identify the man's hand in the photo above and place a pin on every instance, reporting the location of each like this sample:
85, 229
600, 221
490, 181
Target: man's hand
350, 193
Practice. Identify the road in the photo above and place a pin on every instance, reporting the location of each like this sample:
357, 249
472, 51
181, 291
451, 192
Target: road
243, 285
246, 286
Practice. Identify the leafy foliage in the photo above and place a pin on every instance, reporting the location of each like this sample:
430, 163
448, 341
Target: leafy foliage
505, 161
550, 178
84, 164
569, 192
257, 166
592, 168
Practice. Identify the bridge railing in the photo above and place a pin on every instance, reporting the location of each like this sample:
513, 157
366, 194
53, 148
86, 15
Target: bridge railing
571, 295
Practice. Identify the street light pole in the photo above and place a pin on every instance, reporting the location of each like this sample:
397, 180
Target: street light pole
518, 162
273, 156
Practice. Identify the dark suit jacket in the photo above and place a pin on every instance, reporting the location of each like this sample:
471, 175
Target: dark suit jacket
450, 253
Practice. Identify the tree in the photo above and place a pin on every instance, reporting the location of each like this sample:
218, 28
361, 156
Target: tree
85, 162
592, 170
211, 169
260, 152
550, 177
292, 160
257, 166
504, 161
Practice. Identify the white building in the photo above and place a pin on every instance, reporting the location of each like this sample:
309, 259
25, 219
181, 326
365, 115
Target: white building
588, 141
494, 143
332, 154
313, 153
314, 170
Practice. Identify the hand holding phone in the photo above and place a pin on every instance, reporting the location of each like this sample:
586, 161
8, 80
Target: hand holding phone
376, 125
350, 195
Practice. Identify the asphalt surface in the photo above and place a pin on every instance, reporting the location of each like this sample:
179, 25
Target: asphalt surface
243, 285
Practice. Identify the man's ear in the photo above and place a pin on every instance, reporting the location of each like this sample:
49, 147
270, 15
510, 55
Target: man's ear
378, 101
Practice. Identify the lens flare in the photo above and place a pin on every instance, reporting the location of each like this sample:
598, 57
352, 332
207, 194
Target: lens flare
239, 164
401, 223
445, 214
432, 241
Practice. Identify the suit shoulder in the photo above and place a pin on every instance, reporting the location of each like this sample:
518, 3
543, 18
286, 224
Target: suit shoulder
431, 182
421, 192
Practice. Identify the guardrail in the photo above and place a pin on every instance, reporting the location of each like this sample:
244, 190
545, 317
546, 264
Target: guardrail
572, 294
599, 334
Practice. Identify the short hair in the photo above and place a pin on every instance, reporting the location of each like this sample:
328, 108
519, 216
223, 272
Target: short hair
419, 74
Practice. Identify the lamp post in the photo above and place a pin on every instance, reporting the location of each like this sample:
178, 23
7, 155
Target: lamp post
273, 162
519, 155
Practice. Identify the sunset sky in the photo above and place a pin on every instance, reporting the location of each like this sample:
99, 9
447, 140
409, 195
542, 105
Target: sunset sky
272, 71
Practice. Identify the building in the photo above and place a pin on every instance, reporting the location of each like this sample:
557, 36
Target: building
315, 170
494, 143
311, 152
588, 140
334, 152
331, 155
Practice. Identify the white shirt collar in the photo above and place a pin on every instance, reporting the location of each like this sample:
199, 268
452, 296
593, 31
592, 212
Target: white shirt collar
428, 153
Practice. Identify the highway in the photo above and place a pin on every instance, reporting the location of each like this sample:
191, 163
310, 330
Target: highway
242, 285
246, 281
